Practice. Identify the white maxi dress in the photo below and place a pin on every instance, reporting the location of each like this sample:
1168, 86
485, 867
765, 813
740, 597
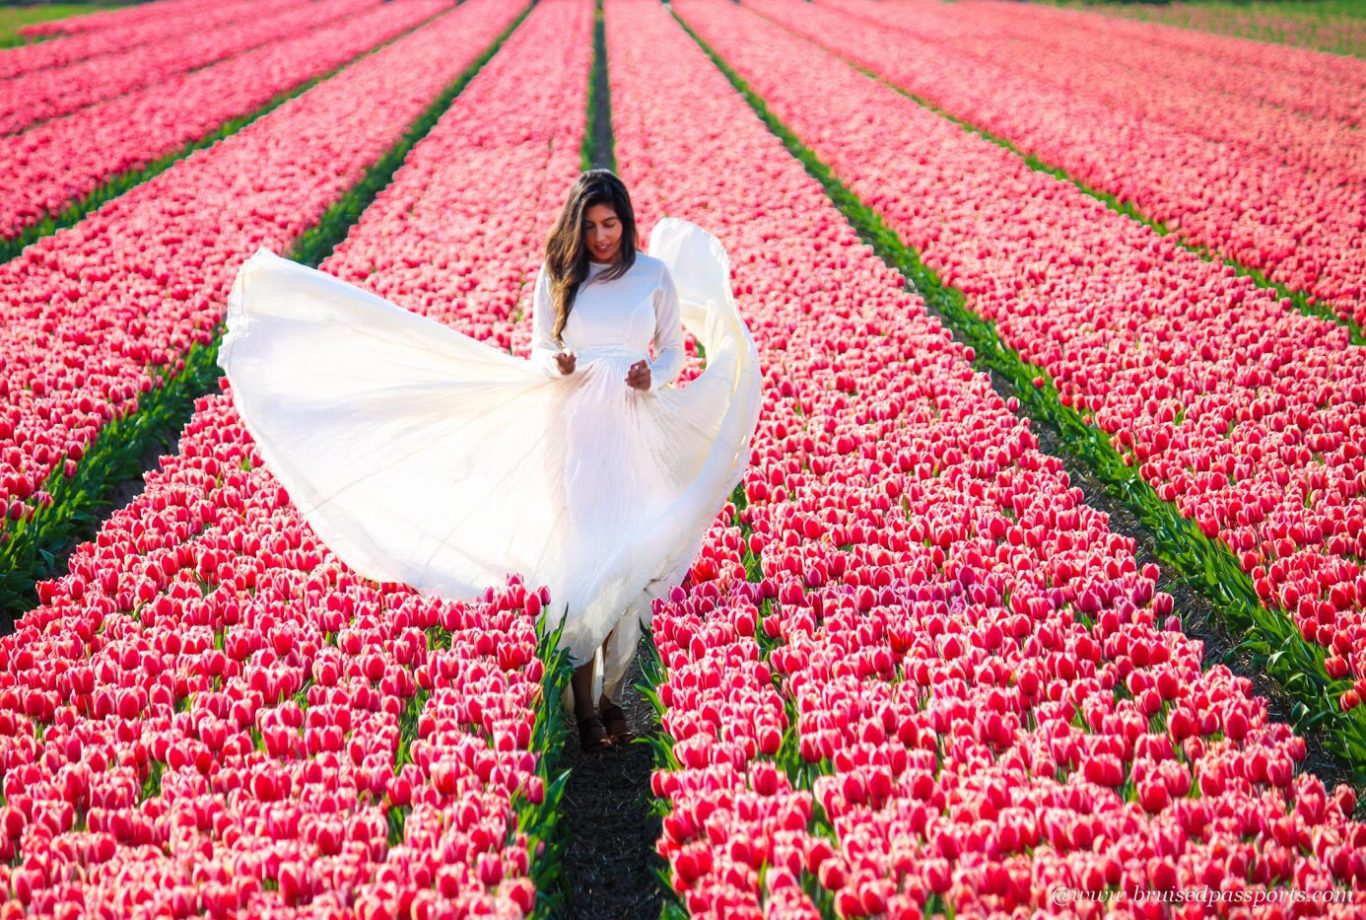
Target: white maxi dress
421, 455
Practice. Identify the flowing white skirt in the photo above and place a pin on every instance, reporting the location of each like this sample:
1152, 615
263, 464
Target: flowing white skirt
421, 455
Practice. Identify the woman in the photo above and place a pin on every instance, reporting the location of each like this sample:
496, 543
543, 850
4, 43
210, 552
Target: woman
423, 456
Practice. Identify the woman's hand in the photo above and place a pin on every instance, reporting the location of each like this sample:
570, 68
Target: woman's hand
565, 360
638, 375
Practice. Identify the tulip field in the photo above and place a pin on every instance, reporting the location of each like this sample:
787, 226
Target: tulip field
1328, 25
1274, 182
915, 671
56, 174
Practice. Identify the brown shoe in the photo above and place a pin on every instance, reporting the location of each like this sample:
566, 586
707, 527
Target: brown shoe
593, 736
615, 721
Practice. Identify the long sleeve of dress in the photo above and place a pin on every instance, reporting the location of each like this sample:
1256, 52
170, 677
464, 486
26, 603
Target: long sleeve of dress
669, 355
543, 347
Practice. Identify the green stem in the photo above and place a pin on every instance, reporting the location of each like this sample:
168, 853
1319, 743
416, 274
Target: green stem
541, 822
599, 145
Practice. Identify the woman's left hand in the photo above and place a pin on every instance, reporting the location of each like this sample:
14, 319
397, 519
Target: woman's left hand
638, 375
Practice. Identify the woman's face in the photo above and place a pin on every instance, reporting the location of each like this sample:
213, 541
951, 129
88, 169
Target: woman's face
602, 233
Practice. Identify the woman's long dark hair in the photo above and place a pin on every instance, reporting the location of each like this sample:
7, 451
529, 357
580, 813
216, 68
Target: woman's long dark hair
566, 255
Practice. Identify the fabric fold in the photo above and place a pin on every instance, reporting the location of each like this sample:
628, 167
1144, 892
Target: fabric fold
421, 455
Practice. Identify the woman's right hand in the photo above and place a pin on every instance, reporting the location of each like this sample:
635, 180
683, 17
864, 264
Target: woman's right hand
565, 360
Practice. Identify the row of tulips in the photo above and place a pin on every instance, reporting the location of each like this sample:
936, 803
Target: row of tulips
1341, 32
732, 812
1243, 415
1320, 86
52, 92
1268, 211
81, 39
57, 172
116, 315
132, 18
1309, 125
211, 714
920, 674
271, 744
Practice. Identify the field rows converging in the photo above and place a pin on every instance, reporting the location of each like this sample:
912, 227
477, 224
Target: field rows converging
1242, 415
1335, 25
1317, 85
58, 42
1299, 121
119, 312
209, 681
912, 671
918, 670
58, 171
51, 93
129, 21
1281, 192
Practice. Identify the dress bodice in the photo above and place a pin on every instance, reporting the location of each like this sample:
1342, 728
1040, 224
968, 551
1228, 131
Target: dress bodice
613, 315
617, 319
